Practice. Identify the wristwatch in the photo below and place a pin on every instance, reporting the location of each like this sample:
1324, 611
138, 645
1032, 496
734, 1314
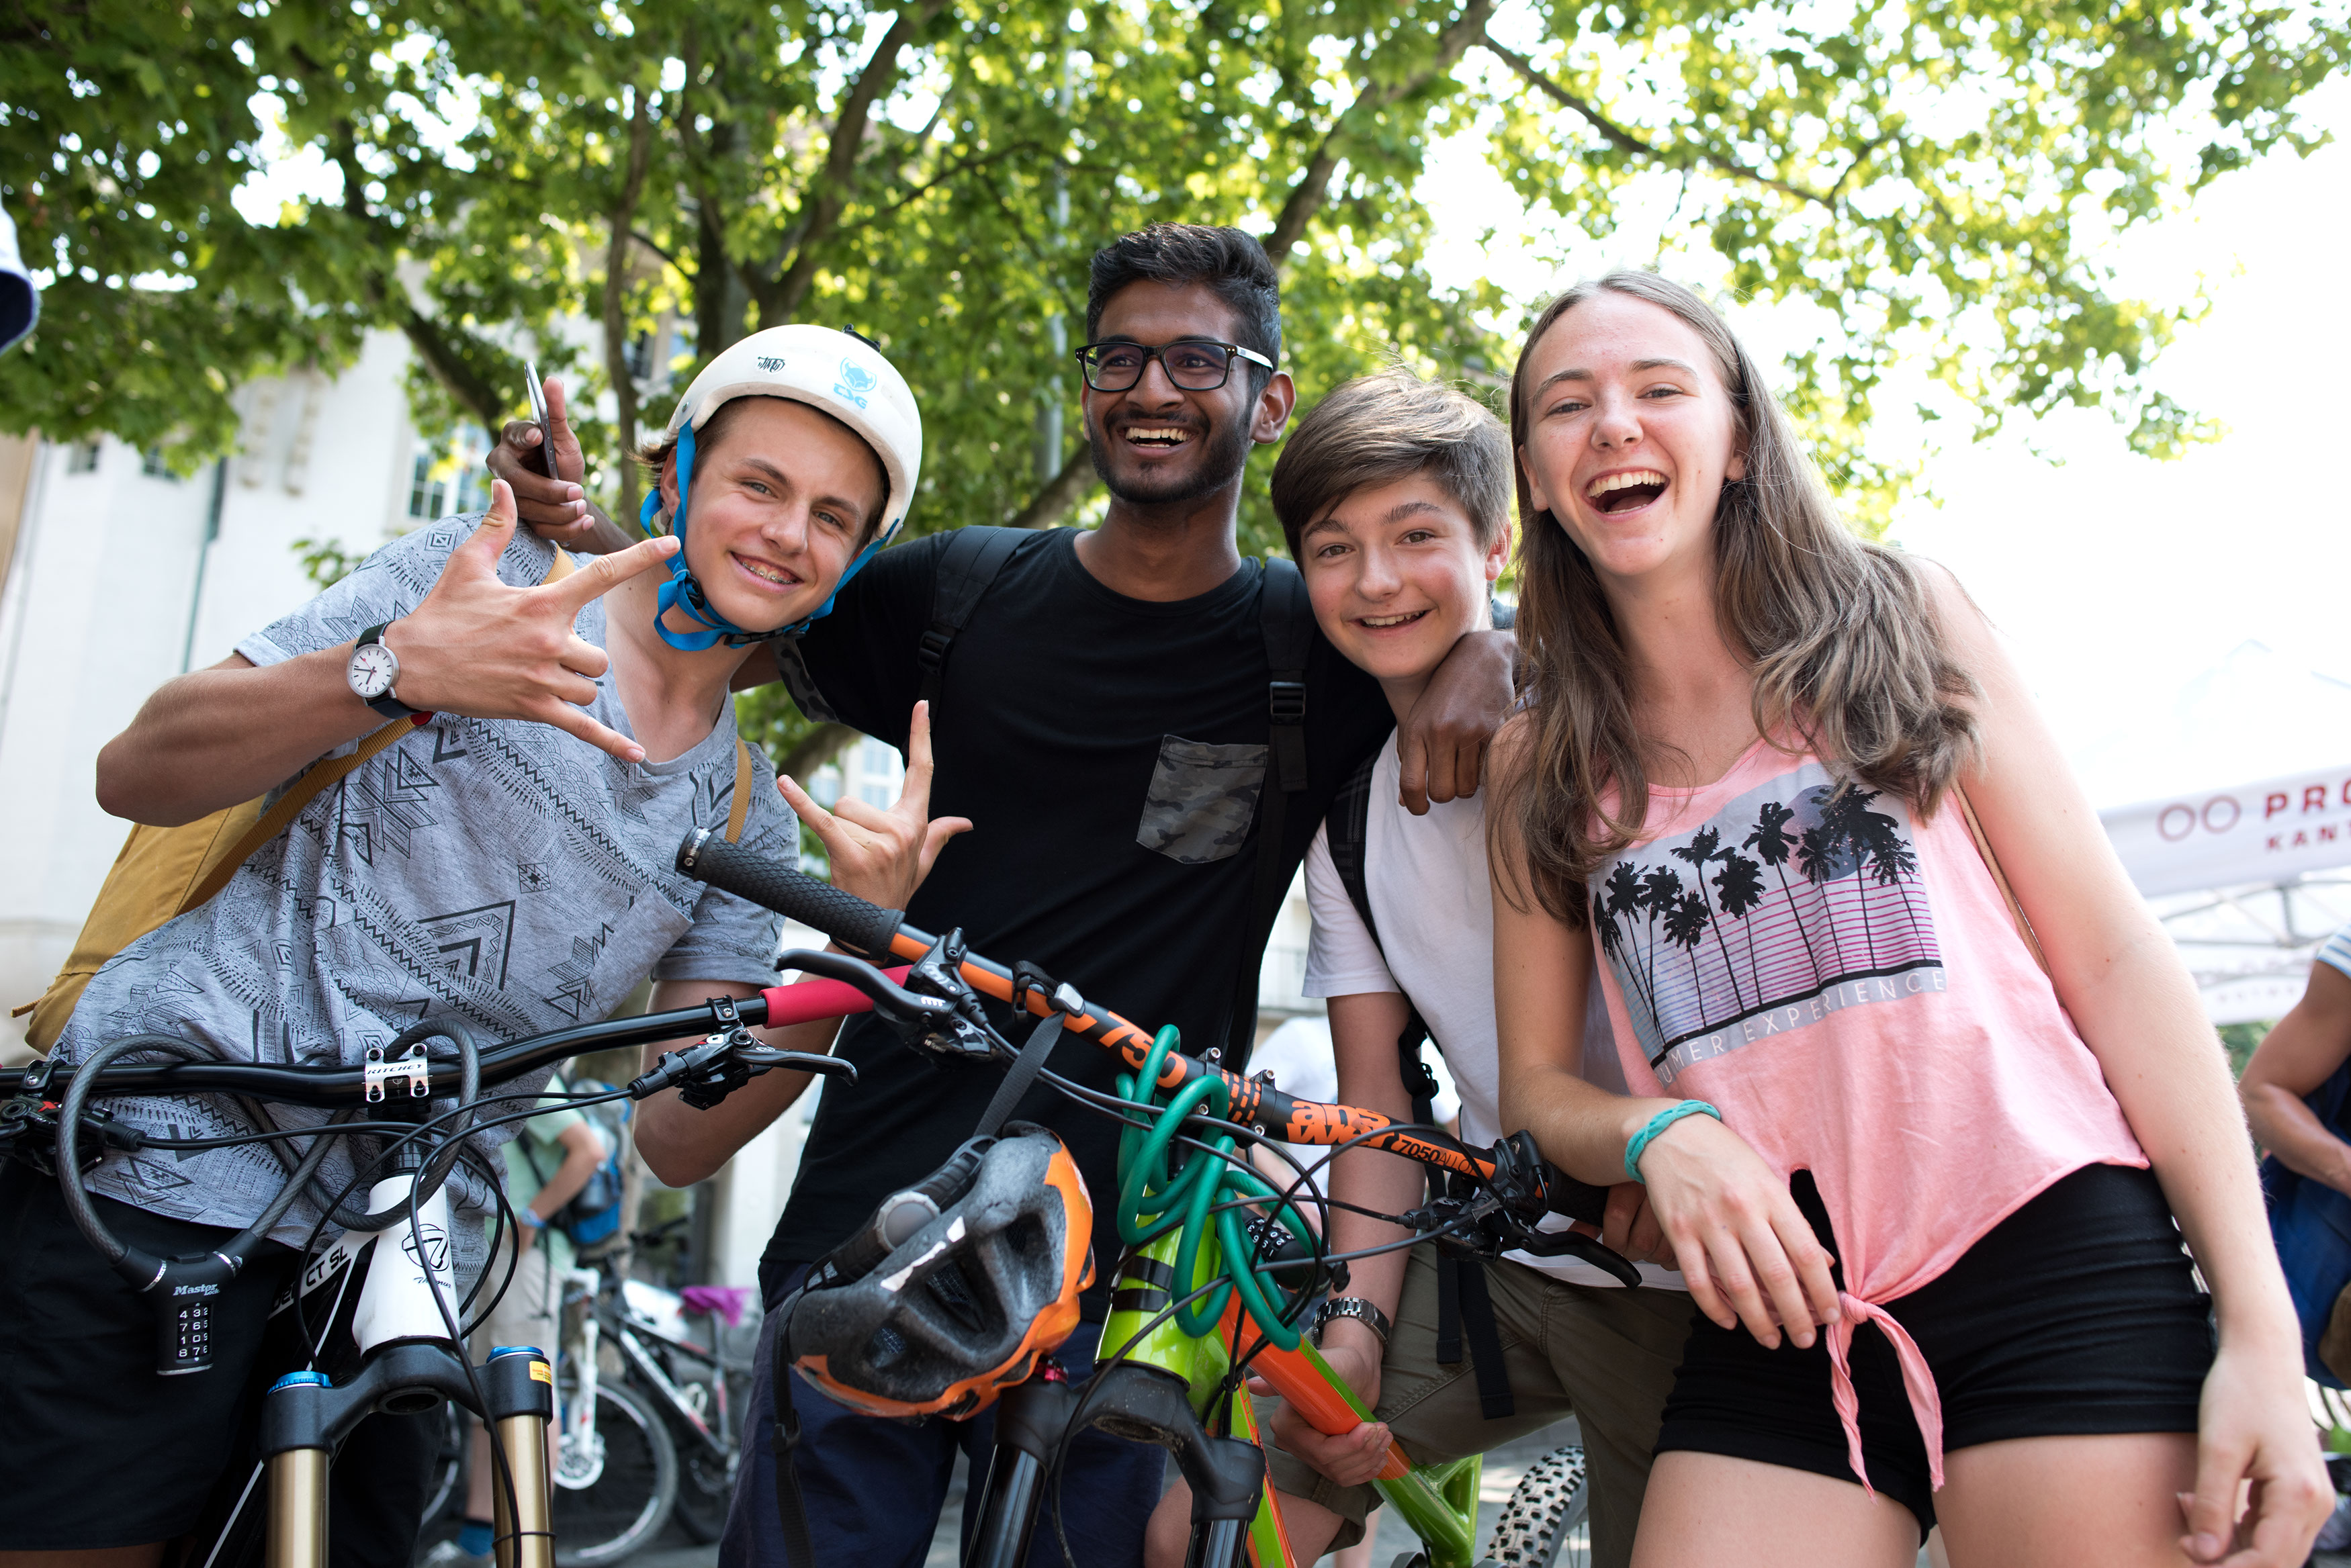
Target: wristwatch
1356, 1307
374, 670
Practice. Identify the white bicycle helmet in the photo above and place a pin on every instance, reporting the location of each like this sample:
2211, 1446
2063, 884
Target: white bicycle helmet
843, 376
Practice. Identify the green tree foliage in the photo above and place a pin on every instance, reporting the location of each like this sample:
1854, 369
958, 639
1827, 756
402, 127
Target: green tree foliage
1930, 178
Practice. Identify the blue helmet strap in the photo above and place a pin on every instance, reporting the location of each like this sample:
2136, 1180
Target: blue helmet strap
682, 593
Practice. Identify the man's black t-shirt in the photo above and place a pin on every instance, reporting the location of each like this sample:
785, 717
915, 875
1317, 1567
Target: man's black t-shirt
1109, 753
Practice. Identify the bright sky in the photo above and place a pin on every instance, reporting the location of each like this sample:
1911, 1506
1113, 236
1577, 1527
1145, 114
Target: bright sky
2117, 578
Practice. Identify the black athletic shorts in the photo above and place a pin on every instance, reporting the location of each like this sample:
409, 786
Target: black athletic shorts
2077, 1314
105, 1453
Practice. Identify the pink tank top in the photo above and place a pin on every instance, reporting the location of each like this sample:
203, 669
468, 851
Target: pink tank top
1845, 983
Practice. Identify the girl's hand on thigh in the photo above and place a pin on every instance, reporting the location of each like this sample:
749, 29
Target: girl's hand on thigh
2254, 1428
1744, 1249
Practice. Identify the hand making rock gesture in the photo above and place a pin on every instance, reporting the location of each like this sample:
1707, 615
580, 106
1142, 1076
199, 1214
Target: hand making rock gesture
482, 648
883, 856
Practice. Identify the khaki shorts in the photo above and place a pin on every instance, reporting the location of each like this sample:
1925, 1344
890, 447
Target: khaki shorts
525, 1315
1606, 1357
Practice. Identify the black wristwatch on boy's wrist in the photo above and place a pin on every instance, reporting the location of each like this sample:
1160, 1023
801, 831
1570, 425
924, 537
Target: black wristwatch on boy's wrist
1356, 1307
374, 671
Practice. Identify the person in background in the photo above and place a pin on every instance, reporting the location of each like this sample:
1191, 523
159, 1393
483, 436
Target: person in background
563, 1139
2308, 1046
2294, 1062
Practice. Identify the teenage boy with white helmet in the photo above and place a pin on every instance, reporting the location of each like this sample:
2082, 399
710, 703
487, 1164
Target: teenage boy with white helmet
506, 862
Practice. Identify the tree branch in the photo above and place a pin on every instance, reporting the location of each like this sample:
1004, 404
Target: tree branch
647, 241
813, 750
443, 352
1313, 189
780, 298
1061, 492
616, 285
1624, 140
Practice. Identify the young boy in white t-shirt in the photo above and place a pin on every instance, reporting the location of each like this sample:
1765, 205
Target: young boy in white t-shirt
1395, 495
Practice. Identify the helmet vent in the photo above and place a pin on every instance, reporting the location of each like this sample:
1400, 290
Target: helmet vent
886, 1345
1026, 1237
947, 1287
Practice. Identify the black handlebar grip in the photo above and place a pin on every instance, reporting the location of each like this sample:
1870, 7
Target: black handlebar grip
789, 892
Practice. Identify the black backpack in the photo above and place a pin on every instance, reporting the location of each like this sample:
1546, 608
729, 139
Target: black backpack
967, 567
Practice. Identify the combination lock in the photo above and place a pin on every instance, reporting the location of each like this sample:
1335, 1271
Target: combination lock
183, 1332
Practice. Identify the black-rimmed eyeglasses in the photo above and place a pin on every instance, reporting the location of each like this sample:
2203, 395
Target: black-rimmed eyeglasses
1194, 365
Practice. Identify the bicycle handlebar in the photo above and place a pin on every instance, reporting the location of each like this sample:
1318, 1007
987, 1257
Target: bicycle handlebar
330, 1088
849, 988
1255, 1102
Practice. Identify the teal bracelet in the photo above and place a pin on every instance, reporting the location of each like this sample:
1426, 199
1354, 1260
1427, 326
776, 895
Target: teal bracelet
1657, 1124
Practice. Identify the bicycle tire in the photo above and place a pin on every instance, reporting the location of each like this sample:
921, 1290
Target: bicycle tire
634, 1490
1538, 1524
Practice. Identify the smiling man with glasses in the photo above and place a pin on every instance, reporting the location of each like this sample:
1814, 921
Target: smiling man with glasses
1102, 717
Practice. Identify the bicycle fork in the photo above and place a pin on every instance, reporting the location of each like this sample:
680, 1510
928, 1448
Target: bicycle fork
304, 1417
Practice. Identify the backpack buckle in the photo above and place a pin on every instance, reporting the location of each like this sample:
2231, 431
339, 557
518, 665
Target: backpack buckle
933, 651
1286, 701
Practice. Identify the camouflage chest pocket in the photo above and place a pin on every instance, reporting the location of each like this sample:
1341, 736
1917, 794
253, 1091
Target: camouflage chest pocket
1202, 800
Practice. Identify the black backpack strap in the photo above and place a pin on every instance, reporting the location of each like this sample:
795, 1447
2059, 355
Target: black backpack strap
1286, 621
1476, 1309
966, 567
1348, 827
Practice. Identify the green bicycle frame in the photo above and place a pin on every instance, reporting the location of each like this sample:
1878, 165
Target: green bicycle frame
1437, 1502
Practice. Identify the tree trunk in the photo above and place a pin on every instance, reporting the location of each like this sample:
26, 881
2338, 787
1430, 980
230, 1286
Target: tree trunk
1061, 492
616, 287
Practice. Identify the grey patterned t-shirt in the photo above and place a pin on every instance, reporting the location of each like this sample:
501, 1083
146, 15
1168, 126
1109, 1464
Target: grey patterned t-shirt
500, 872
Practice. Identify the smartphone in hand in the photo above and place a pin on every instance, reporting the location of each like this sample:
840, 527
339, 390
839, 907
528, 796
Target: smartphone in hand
539, 413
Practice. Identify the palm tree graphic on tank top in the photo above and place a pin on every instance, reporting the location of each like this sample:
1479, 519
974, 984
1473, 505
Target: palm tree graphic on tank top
1795, 901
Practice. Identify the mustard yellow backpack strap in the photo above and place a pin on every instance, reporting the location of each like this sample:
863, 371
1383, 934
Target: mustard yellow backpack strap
740, 812
299, 793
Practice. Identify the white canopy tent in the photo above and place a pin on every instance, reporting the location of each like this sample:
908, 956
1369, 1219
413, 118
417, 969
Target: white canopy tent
2233, 816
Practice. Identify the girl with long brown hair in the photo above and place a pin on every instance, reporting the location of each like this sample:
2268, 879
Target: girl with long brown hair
1915, 1132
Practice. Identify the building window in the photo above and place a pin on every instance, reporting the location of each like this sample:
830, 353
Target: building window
151, 463
83, 458
870, 771
878, 773
450, 477
426, 493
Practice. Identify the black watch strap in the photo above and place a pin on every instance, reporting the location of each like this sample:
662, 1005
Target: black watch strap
390, 706
1356, 1307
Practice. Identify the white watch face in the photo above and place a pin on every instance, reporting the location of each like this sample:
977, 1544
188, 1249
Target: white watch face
373, 670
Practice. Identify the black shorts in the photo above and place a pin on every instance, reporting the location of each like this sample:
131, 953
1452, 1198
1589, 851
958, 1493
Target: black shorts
2077, 1314
108, 1454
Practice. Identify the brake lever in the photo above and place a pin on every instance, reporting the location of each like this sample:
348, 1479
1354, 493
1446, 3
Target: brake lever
959, 1032
1555, 1243
767, 1058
